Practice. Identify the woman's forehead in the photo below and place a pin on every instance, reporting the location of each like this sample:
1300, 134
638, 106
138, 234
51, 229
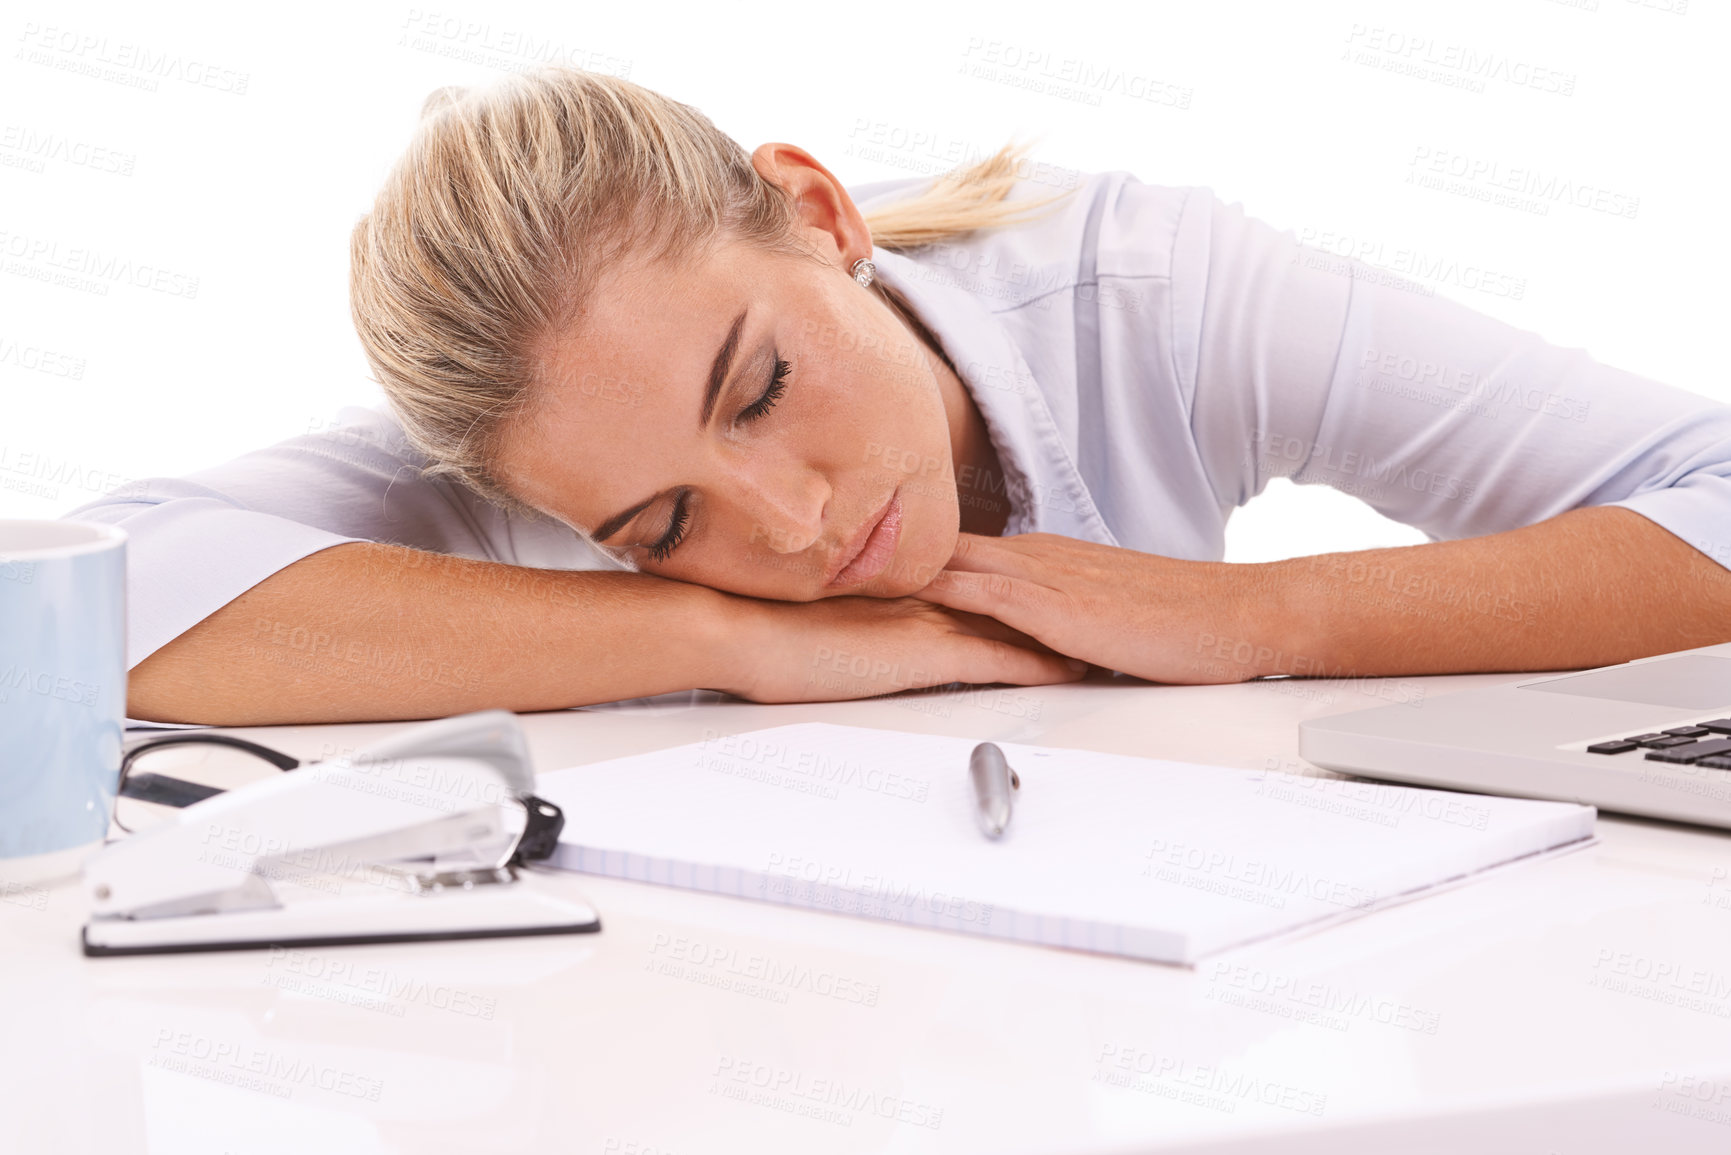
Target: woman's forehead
626, 383
659, 312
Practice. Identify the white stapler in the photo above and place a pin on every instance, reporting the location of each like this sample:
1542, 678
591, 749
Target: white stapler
419, 837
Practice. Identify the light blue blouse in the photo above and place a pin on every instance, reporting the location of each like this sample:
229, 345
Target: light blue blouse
1146, 358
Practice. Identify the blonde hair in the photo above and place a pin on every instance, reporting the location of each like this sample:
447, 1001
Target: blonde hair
511, 200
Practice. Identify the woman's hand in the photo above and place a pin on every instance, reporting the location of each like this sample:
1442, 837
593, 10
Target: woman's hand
858, 647
1146, 615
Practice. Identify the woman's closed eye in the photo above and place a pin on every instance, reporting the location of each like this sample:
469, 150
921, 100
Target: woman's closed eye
675, 528
681, 519
771, 394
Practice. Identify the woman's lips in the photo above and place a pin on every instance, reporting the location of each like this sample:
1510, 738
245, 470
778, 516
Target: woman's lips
874, 554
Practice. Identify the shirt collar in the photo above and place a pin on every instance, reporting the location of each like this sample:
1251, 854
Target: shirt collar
1045, 490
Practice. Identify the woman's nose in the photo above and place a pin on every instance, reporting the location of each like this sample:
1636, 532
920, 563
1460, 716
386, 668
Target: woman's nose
786, 509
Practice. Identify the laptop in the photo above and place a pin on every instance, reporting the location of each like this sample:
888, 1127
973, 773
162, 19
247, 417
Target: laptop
1651, 736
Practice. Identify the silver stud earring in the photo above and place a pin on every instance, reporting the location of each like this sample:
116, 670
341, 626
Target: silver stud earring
863, 272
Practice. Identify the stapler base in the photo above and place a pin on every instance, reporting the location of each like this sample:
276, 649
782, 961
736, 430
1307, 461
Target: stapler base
485, 912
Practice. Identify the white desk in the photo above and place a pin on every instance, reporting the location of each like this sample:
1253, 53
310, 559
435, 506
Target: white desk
1579, 1004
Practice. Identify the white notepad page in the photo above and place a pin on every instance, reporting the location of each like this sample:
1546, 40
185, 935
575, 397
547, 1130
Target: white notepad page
1152, 859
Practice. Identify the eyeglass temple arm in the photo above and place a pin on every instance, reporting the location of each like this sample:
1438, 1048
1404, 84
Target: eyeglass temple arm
169, 791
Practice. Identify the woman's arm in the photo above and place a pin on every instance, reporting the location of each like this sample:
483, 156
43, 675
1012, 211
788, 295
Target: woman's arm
326, 578
1589, 587
369, 632
1584, 511
1328, 371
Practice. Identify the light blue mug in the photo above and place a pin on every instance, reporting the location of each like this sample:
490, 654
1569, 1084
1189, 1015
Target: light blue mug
62, 692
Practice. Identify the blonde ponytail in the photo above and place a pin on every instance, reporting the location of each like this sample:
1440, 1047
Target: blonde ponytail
960, 201
511, 200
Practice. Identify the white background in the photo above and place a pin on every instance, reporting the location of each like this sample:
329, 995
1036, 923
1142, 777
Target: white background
194, 171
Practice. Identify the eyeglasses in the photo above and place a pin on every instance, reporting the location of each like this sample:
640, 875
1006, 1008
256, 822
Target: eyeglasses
147, 793
205, 765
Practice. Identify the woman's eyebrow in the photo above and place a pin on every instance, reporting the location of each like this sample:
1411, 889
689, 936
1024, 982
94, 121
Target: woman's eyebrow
717, 378
719, 370
617, 522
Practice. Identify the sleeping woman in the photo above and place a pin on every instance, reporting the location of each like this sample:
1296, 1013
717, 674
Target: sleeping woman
664, 414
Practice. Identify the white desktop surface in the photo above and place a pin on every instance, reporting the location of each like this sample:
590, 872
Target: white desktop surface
1580, 1003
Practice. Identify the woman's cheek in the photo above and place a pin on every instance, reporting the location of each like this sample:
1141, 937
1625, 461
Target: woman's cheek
922, 554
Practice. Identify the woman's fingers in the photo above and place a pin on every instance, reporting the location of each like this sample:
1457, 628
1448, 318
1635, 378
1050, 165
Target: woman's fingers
977, 554
1025, 606
991, 660
993, 595
1017, 556
985, 626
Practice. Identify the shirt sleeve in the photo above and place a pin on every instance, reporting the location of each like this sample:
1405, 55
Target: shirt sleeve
197, 542
1331, 371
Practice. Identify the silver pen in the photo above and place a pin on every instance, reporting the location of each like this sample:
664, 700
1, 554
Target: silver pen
995, 784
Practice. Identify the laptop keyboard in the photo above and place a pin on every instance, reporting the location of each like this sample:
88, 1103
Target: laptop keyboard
1700, 744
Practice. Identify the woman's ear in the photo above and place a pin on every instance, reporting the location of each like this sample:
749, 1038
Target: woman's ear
827, 215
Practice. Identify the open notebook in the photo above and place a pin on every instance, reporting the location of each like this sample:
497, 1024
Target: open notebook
1152, 859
